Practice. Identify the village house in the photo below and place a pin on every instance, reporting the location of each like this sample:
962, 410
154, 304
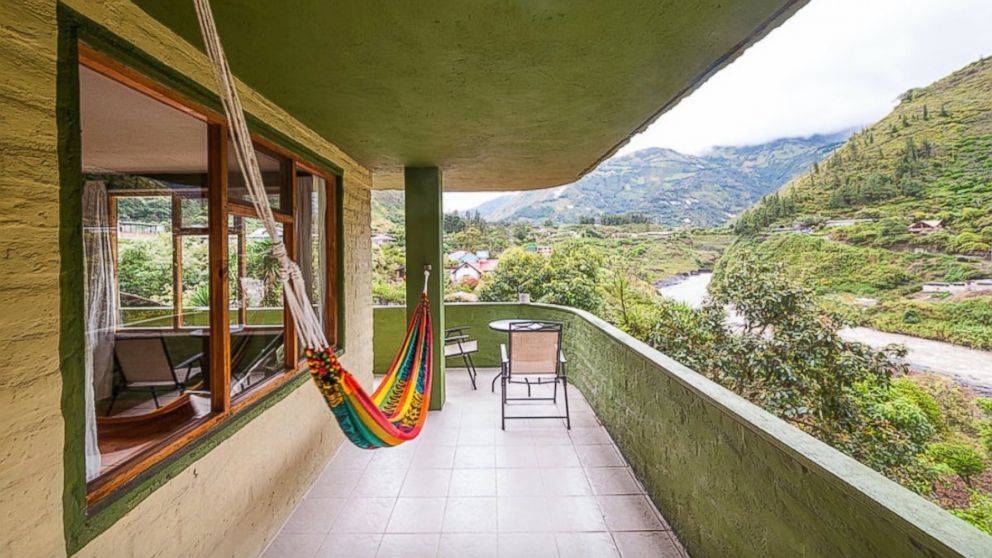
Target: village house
846, 222
383, 239
927, 226
473, 270
974, 286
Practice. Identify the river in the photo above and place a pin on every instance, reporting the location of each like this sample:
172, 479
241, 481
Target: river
965, 365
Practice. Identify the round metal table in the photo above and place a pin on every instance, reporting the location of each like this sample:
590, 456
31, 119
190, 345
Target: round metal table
504, 325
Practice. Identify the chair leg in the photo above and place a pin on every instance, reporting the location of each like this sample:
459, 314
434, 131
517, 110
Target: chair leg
528, 386
468, 367
554, 392
115, 391
564, 391
475, 373
502, 406
155, 398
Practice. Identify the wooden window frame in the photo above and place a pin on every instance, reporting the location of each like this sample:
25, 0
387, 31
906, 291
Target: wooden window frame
219, 207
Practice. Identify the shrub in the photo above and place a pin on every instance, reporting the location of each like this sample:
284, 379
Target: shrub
978, 512
963, 459
985, 404
905, 387
985, 435
911, 316
957, 403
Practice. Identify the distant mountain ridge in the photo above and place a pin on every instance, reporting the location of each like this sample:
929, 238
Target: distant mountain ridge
672, 188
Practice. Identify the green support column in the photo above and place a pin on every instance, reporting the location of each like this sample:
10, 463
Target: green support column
424, 231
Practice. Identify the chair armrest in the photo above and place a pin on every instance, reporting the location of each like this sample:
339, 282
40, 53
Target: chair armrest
458, 329
189, 362
456, 338
561, 357
503, 358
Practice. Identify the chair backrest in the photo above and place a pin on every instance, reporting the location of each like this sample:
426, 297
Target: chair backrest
143, 359
534, 347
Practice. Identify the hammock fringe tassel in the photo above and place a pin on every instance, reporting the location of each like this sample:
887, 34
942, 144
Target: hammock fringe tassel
396, 411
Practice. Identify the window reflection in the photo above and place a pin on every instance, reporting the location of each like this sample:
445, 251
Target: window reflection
257, 306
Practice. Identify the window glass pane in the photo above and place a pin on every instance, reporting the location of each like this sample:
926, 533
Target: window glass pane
275, 173
147, 351
194, 212
144, 261
257, 349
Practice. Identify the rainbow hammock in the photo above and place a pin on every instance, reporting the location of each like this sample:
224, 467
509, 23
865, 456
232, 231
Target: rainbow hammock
397, 410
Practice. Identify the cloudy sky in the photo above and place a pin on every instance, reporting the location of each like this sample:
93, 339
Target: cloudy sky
836, 64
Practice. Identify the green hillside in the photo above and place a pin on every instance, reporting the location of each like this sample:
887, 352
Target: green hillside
387, 210
929, 159
881, 288
671, 188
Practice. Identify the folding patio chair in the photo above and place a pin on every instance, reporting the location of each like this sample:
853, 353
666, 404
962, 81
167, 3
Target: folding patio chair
144, 364
534, 358
458, 344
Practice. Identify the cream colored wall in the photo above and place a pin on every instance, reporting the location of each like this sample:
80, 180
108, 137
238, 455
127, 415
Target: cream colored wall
230, 502
30, 388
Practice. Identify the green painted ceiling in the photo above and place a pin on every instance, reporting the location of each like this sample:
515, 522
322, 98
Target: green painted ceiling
502, 95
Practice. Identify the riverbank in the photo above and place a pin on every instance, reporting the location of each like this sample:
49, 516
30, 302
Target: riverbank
970, 367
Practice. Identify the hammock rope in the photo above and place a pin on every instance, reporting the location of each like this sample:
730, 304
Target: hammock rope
396, 411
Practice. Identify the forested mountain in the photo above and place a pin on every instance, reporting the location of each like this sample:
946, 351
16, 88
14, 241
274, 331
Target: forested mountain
929, 159
672, 188
906, 201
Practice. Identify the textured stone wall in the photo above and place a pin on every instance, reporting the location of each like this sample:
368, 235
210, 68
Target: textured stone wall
231, 501
30, 386
732, 479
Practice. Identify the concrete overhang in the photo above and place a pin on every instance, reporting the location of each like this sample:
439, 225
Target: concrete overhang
501, 95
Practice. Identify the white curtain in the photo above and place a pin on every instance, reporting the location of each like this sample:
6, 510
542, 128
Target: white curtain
312, 211
101, 311
304, 231
320, 190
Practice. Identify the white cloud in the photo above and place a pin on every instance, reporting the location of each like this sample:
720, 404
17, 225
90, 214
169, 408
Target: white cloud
836, 64
460, 201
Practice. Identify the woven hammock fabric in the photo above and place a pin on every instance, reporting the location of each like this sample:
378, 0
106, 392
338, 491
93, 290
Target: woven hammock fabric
397, 410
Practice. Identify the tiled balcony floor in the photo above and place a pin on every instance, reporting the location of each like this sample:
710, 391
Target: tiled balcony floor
466, 488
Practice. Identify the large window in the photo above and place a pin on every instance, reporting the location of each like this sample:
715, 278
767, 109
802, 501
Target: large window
161, 221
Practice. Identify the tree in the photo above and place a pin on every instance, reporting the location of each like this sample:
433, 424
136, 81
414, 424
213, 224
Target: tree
571, 276
145, 268
471, 239
521, 232
789, 359
453, 223
961, 458
518, 272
